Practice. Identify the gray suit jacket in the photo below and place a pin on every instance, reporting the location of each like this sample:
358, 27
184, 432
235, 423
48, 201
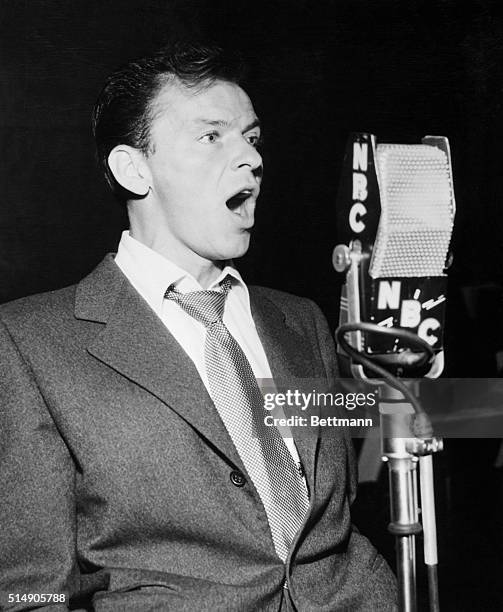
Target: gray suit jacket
115, 466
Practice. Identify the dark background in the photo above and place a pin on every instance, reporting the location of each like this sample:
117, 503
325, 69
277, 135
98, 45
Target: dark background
318, 70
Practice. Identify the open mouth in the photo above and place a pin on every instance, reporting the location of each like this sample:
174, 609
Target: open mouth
235, 203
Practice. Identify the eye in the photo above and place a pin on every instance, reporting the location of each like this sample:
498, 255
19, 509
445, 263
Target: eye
254, 139
209, 138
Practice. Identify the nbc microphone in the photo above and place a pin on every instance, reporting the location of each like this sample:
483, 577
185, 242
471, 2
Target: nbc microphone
395, 215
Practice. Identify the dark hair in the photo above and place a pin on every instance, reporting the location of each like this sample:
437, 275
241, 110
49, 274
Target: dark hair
124, 110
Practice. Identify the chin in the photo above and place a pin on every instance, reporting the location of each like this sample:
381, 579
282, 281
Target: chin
241, 249
235, 250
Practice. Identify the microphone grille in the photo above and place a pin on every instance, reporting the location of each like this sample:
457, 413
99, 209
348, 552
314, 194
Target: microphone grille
417, 211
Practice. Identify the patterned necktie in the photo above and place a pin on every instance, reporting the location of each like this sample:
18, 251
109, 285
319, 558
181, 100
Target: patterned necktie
239, 402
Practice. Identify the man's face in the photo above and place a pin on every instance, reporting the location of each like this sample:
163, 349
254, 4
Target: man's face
205, 170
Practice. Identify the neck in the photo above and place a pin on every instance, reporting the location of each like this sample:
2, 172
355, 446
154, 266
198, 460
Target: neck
203, 270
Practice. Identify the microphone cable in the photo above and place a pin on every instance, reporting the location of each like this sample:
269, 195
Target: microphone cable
421, 425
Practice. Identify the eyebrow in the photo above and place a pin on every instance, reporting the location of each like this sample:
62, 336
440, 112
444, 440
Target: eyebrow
222, 123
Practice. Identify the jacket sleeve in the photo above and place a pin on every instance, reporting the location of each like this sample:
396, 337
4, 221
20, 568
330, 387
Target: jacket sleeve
37, 534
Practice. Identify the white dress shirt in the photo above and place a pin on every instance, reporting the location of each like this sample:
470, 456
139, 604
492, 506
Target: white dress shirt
151, 274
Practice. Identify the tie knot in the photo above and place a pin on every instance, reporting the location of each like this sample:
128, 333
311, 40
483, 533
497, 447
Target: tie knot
207, 307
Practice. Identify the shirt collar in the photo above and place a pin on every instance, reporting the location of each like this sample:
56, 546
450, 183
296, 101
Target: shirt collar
151, 274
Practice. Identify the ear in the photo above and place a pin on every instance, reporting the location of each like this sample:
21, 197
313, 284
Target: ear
129, 169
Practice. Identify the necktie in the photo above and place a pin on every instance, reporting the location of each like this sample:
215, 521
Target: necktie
239, 402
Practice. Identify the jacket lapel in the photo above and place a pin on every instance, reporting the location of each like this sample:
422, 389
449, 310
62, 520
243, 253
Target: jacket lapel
135, 343
289, 363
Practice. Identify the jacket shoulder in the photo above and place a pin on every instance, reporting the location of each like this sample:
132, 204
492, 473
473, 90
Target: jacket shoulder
291, 305
98, 289
39, 309
281, 298
305, 317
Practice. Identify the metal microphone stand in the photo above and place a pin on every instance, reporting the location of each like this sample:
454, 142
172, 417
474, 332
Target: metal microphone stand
402, 452
406, 441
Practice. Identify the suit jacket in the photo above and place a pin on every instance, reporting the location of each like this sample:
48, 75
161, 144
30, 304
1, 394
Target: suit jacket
115, 474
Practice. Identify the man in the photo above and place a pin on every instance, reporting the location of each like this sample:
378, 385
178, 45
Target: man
135, 473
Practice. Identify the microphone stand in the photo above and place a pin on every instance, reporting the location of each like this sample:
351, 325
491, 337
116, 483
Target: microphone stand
402, 455
406, 441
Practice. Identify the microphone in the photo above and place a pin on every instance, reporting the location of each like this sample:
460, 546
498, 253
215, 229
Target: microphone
395, 215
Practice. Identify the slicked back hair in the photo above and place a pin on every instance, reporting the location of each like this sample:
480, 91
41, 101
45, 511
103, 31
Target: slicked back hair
125, 108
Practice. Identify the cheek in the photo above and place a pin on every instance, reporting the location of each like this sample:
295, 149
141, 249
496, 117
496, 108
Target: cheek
195, 218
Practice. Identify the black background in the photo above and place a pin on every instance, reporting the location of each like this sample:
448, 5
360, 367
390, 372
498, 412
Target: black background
319, 70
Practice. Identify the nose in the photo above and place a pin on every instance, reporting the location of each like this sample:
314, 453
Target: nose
246, 155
